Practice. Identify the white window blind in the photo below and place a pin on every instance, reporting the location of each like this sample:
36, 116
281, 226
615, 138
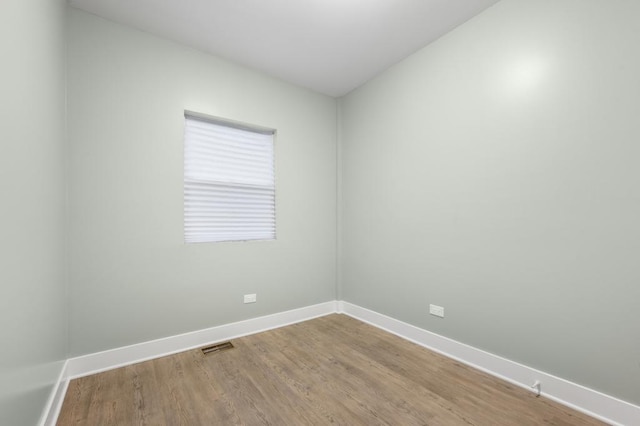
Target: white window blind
229, 181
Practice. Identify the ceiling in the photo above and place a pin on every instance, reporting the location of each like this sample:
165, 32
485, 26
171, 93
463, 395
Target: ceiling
329, 46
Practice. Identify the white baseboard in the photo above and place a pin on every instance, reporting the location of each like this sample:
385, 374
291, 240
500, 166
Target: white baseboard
127, 355
596, 404
54, 404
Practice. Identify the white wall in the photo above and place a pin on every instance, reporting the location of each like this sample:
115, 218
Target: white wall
133, 278
495, 173
32, 225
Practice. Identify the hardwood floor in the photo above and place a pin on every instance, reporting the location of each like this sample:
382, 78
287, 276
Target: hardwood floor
330, 370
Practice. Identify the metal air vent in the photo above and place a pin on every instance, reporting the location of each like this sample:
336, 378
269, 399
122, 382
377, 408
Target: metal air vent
218, 347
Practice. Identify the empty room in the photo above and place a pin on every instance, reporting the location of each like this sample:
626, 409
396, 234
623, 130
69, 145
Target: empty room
270, 212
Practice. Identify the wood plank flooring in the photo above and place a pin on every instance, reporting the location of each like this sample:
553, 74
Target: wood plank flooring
330, 370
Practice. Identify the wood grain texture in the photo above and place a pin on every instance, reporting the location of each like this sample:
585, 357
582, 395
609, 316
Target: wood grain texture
330, 370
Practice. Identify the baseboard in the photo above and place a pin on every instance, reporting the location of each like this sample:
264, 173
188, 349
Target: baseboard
127, 355
596, 404
54, 404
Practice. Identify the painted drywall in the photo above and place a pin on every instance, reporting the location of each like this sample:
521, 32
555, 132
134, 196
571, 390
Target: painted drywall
32, 222
133, 278
495, 173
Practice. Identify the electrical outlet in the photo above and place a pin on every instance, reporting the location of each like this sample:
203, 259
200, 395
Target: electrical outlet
250, 298
436, 310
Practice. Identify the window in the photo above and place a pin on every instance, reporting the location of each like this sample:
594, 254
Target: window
229, 181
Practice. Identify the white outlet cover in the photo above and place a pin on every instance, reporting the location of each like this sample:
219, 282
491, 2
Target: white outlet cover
250, 298
436, 310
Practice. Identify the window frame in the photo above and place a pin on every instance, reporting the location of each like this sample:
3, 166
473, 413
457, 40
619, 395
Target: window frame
235, 125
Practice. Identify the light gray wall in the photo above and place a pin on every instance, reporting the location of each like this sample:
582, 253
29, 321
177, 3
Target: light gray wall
496, 173
133, 278
32, 226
